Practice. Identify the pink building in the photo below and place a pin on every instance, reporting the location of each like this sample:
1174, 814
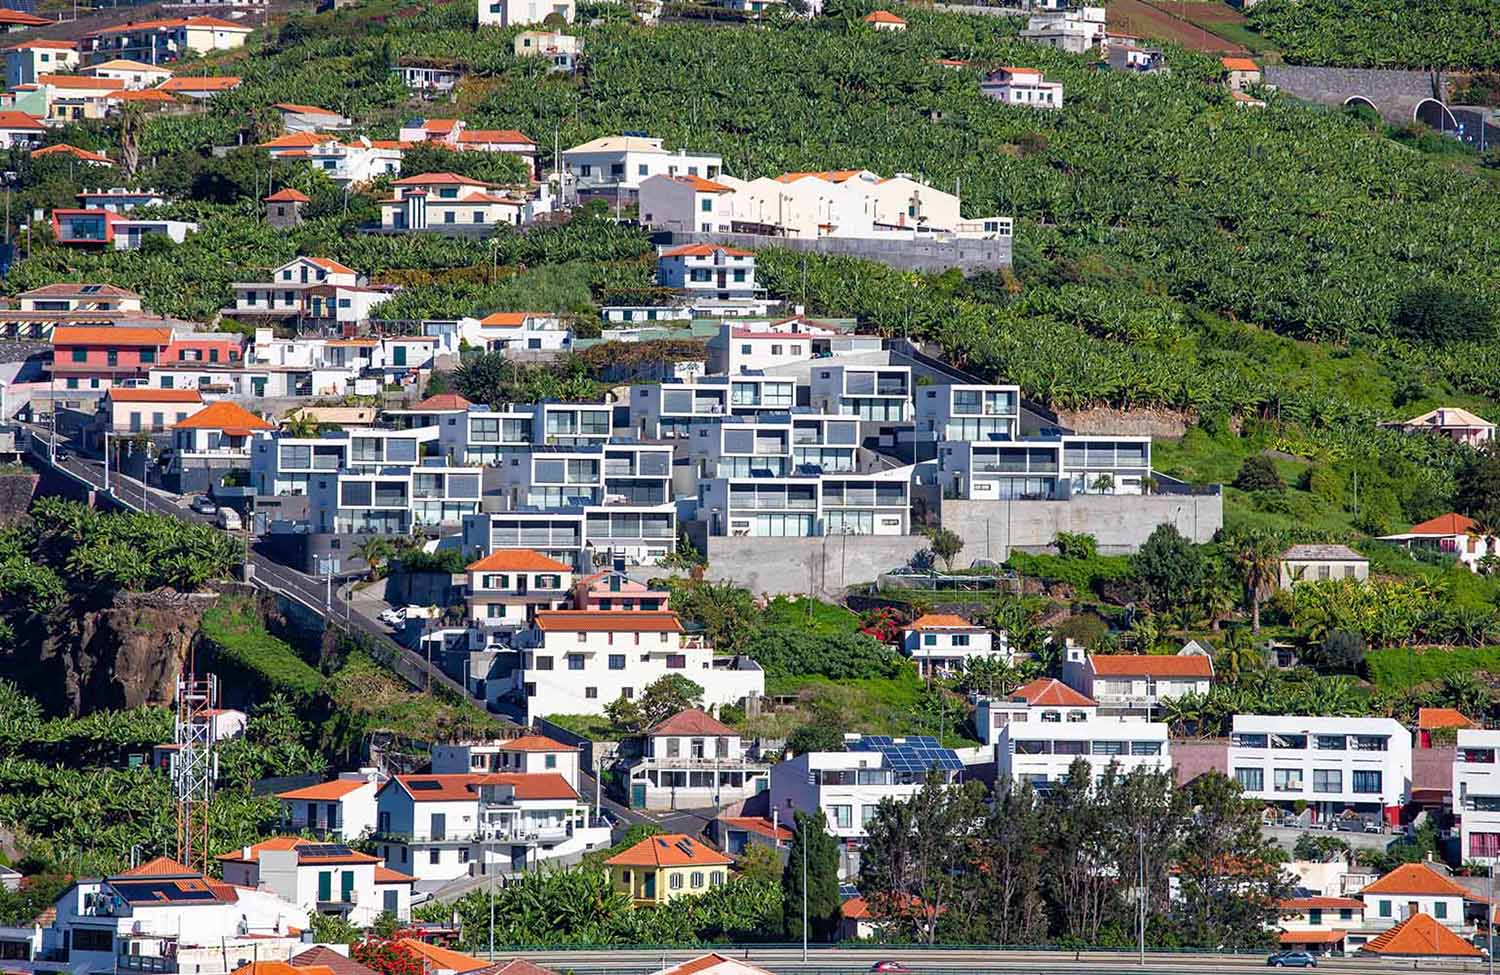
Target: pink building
97, 358
210, 347
1458, 425
609, 590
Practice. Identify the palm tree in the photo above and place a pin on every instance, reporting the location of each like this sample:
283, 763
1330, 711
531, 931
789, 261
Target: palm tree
1485, 528
1258, 556
1466, 693
374, 552
300, 424
1237, 660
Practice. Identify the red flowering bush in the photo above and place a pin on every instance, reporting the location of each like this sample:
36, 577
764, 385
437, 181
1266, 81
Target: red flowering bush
387, 957
883, 623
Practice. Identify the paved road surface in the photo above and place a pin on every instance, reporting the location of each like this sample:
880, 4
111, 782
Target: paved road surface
314, 592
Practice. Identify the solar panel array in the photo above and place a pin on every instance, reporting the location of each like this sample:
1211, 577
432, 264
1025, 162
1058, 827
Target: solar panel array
423, 785
161, 890
914, 753
325, 850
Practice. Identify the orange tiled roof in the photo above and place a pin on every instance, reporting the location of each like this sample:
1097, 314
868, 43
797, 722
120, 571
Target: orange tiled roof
438, 788
1322, 904
199, 84
161, 867
20, 120
296, 109
295, 140
284, 843
1450, 524
1429, 719
175, 22
45, 45
1051, 692
704, 962
1420, 936
114, 335
63, 149
331, 266
941, 621
1416, 878
535, 743
442, 958
533, 785
438, 179
287, 195
19, 18
385, 875
692, 721
517, 560
706, 250
447, 402
669, 850
830, 175
226, 416
501, 136
701, 185
1150, 665
883, 17
588, 621
336, 789
756, 824
149, 95
79, 81
1312, 937
1239, 64
509, 319
280, 968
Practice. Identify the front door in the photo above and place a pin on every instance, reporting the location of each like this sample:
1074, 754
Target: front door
325, 885
439, 826
638, 796
648, 886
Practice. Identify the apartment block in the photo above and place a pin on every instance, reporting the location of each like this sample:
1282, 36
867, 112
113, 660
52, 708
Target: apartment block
879, 394
968, 413
1476, 795
808, 506
692, 761
1336, 766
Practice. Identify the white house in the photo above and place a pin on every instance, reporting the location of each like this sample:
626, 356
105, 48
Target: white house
1319, 563
1136, 684
449, 203
576, 662
1412, 888
692, 761
19, 130
514, 13
527, 818
517, 331
321, 878
1041, 753
137, 75
686, 204
308, 118
507, 587
942, 643
425, 824
1046, 700
529, 754
284, 294
1453, 422
161, 914
25, 62
563, 50
343, 809
1022, 86
710, 270
619, 163
1476, 795
209, 443
1452, 535
848, 785
1074, 31
1337, 767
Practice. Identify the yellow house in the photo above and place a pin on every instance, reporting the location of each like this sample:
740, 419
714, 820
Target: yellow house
662, 868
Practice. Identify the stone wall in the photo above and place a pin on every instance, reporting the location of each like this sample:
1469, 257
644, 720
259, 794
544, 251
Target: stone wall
800, 565
969, 255
1393, 93
1121, 522
1126, 423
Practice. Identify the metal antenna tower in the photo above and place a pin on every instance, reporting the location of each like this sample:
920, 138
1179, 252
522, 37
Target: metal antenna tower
197, 766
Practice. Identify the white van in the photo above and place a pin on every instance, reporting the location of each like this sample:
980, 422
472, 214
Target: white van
229, 520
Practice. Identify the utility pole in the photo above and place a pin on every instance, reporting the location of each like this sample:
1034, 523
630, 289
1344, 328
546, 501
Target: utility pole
804, 893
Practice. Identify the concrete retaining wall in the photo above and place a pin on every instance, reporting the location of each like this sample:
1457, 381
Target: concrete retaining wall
1121, 523
1393, 93
800, 565
968, 255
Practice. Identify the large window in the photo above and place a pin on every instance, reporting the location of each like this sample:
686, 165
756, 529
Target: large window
1288, 779
1366, 783
841, 816
1328, 780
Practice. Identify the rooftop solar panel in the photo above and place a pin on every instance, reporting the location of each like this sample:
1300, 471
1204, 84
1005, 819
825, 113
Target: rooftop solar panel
914, 753
424, 785
326, 850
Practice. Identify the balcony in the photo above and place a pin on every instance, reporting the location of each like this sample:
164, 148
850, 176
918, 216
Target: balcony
523, 833
145, 963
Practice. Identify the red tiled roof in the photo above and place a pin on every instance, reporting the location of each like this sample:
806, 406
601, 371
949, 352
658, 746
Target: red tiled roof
1449, 524
149, 95
20, 120
442, 958
588, 621
520, 966
1312, 937
1051, 692
301, 845
445, 402
669, 850
517, 560
693, 721
1420, 936
498, 136
1429, 719
281, 968
287, 195
756, 824
1239, 64
883, 17
172, 22
325, 957
45, 45
385, 875
706, 250
1150, 665
296, 109
119, 395
438, 179
295, 140
1416, 878
535, 743
533, 785
509, 319
330, 265
79, 81
337, 789
226, 416
704, 962
63, 149
160, 867
19, 18
1322, 904
701, 185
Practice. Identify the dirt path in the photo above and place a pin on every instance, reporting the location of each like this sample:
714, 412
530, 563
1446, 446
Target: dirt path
1137, 17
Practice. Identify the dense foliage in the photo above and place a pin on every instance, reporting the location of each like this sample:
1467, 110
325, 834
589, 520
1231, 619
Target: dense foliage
1457, 34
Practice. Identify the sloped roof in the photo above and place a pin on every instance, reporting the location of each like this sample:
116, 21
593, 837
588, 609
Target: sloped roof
118, 395
499, 136
296, 109
517, 560
125, 64
42, 44
114, 335
73, 289
1430, 719
1323, 553
1450, 524
692, 721
160, 867
287, 195
669, 850
325, 957
442, 958
330, 265
445, 402
20, 18
325, 791
1150, 665
438, 179
1322, 904
588, 621
295, 140
438, 788
226, 416
1312, 937
533, 785
79, 81
520, 966
757, 824
1239, 64
700, 184
535, 743
223, 83
1416, 878
510, 319
1448, 416
20, 120
281, 968
942, 621
1051, 692
1420, 936
883, 17
385, 875
63, 149
706, 250
308, 851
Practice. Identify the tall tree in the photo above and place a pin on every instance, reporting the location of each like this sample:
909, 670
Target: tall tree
1169, 567
1257, 555
919, 857
1013, 834
822, 867
1081, 872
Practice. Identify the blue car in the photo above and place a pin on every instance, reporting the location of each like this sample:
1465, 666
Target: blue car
1292, 959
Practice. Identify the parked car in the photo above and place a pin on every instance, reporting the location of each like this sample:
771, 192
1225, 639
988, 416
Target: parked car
1292, 959
1371, 826
393, 617
204, 505
229, 520
889, 966
62, 455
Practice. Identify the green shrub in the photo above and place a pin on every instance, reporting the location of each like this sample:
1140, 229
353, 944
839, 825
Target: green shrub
1081, 574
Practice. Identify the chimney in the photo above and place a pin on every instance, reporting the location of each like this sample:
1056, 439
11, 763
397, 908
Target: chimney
245, 852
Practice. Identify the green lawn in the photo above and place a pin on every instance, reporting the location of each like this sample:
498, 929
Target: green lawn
1399, 668
822, 619
237, 631
888, 706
